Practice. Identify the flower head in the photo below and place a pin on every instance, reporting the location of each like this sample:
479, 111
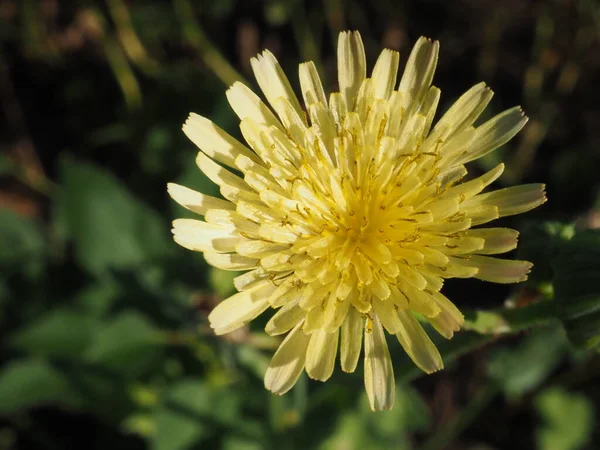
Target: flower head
350, 212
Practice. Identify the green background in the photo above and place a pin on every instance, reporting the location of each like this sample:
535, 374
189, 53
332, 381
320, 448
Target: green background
104, 339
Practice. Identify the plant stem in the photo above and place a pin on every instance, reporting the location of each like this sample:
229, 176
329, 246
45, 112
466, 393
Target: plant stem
461, 421
510, 320
210, 55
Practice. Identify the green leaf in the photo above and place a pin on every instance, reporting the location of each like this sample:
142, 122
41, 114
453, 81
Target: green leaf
361, 428
577, 287
61, 334
191, 411
128, 344
22, 244
221, 281
539, 243
520, 369
109, 226
7, 165
98, 297
567, 420
28, 383
157, 148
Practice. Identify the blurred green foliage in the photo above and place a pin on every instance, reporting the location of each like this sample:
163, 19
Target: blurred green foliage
105, 342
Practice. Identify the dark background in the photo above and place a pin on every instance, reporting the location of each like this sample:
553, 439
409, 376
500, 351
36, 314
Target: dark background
103, 330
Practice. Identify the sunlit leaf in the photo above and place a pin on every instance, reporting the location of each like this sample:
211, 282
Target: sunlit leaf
523, 367
191, 411
567, 420
62, 334
109, 226
30, 382
128, 344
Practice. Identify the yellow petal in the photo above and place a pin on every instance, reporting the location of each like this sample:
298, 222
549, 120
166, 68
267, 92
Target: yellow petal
310, 83
379, 373
320, 355
195, 201
232, 218
384, 74
351, 342
259, 249
230, 261
247, 105
499, 270
494, 133
250, 279
465, 191
288, 362
495, 240
429, 107
240, 308
463, 112
449, 320
386, 311
205, 237
512, 200
285, 319
220, 175
272, 79
419, 71
417, 344
352, 65
215, 142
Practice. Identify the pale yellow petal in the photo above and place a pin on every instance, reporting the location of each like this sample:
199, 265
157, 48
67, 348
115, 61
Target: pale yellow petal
351, 340
352, 65
417, 344
320, 355
449, 320
379, 373
384, 73
205, 237
512, 200
272, 79
230, 261
419, 71
494, 133
215, 142
463, 112
285, 319
429, 107
240, 308
495, 240
386, 311
287, 364
195, 201
249, 279
219, 175
247, 105
499, 270
259, 249
310, 83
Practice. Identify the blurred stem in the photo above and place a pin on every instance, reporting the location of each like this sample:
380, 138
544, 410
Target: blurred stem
123, 73
303, 33
510, 320
29, 169
483, 327
129, 39
461, 421
117, 60
334, 13
208, 52
462, 343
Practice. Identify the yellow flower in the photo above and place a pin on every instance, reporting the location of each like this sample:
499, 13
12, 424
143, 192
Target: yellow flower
350, 212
